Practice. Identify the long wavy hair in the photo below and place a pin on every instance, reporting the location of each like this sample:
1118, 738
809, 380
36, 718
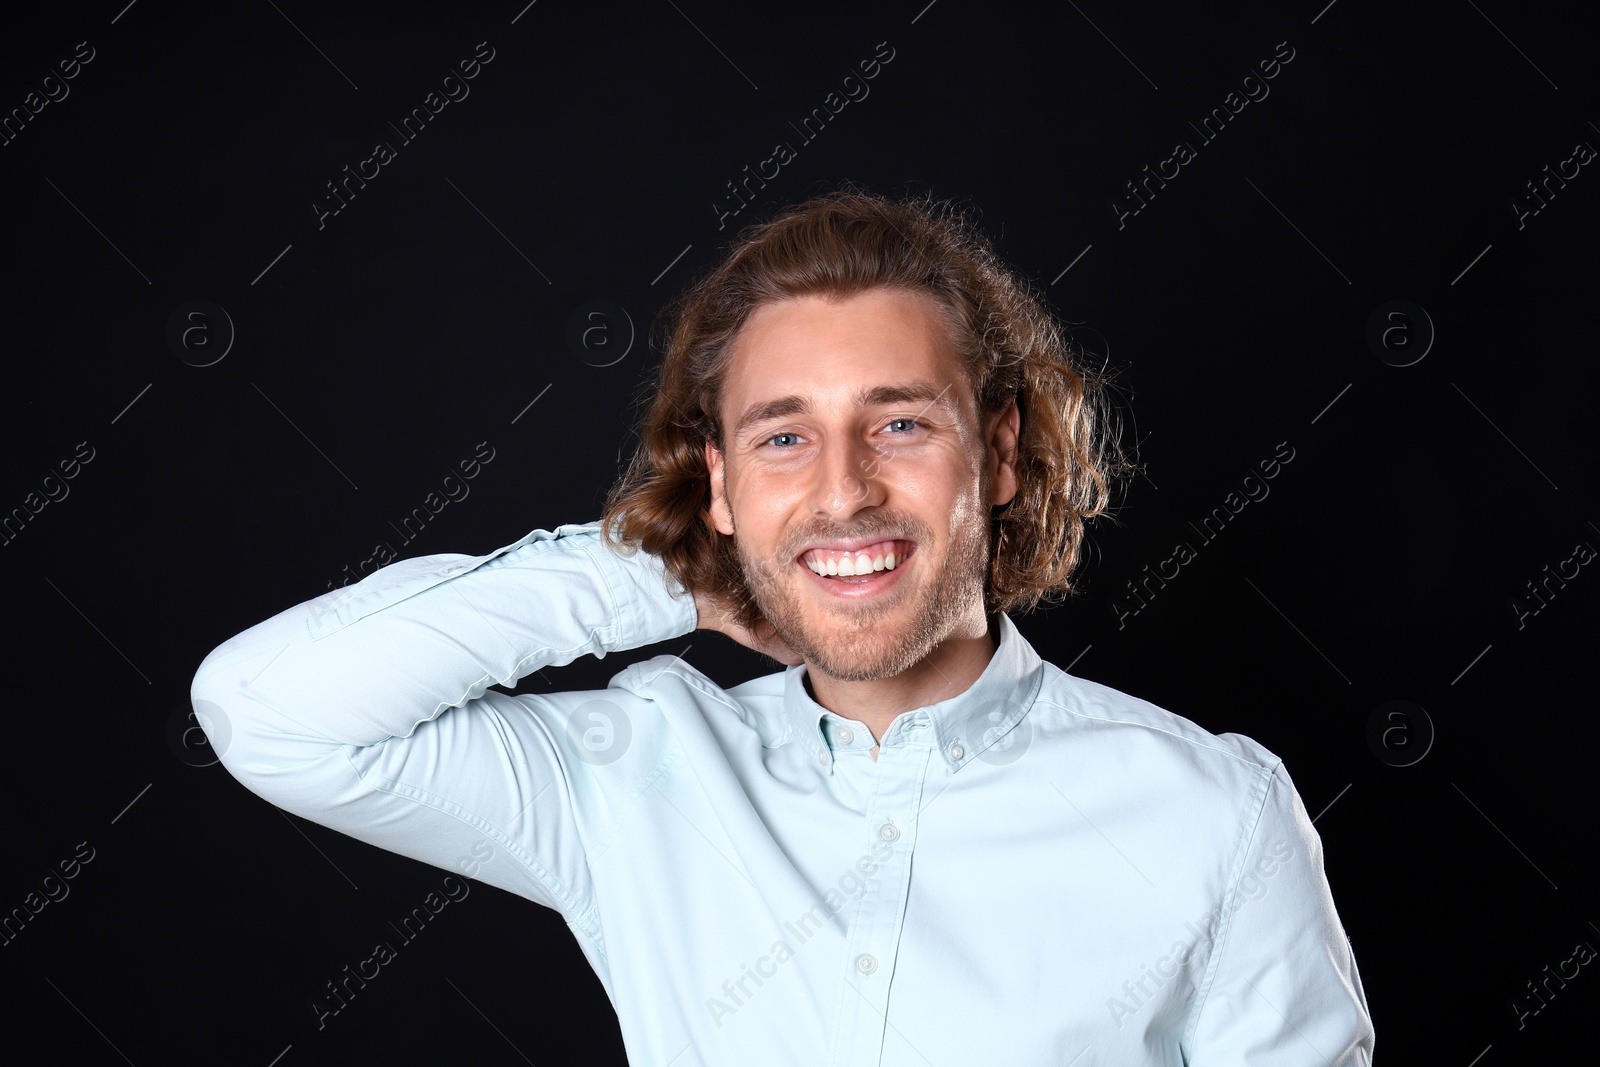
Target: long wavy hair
1069, 455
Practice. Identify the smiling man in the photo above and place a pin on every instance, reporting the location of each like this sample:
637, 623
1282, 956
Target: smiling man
920, 843
861, 477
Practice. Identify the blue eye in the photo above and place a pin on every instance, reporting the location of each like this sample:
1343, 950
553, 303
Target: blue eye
909, 423
775, 437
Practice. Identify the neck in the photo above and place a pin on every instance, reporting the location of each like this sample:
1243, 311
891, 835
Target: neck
949, 670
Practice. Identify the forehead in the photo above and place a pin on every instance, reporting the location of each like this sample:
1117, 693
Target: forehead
828, 350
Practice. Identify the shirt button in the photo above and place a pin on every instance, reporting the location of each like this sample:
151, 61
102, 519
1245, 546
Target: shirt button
866, 963
846, 735
888, 832
956, 750
822, 755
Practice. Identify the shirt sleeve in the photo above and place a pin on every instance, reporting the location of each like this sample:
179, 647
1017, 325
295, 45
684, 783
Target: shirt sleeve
366, 710
1282, 989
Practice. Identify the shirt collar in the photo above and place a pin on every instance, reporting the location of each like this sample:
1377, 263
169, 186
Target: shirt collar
963, 726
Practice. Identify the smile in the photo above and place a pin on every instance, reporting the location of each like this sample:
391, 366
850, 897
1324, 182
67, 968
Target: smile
857, 571
885, 555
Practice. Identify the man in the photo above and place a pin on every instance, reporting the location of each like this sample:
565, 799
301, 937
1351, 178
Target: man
919, 844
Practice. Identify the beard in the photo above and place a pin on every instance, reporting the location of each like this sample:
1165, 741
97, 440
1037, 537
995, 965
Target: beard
852, 641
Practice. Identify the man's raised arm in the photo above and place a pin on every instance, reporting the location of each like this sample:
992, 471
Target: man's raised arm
366, 710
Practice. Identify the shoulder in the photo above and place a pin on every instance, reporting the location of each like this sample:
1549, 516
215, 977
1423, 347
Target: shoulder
673, 682
1089, 715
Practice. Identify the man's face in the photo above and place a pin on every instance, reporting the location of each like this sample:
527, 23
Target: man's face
854, 447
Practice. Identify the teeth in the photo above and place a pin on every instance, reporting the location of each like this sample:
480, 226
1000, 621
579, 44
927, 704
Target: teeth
853, 564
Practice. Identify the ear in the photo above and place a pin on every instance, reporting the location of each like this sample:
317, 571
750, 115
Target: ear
1003, 432
721, 511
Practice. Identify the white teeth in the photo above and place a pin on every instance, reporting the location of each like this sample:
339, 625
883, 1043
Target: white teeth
853, 564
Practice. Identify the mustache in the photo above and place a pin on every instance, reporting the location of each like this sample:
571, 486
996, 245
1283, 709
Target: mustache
881, 526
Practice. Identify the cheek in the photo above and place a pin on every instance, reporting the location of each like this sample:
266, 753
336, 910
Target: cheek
766, 503
943, 487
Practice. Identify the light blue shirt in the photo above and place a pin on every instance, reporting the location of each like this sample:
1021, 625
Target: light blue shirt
1039, 871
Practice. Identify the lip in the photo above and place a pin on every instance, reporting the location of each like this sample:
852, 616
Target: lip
844, 589
854, 545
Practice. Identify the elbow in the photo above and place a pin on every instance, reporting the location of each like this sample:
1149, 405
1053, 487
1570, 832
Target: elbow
231, 725
232, 719
208, 731
260, 711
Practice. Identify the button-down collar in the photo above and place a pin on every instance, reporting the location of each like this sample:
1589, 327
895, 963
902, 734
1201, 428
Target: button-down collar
963, 725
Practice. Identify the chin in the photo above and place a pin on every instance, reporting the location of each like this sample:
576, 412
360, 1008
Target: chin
872, 644
871, 638
868, 668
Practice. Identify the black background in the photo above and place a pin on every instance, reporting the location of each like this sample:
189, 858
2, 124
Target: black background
374, 352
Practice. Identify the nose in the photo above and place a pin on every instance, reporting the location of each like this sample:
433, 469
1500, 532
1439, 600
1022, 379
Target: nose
848, 478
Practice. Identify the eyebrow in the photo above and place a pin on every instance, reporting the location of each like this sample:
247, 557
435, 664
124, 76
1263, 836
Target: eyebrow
872, 396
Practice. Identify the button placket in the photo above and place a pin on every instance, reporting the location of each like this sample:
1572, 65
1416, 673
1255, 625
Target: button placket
875, 928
